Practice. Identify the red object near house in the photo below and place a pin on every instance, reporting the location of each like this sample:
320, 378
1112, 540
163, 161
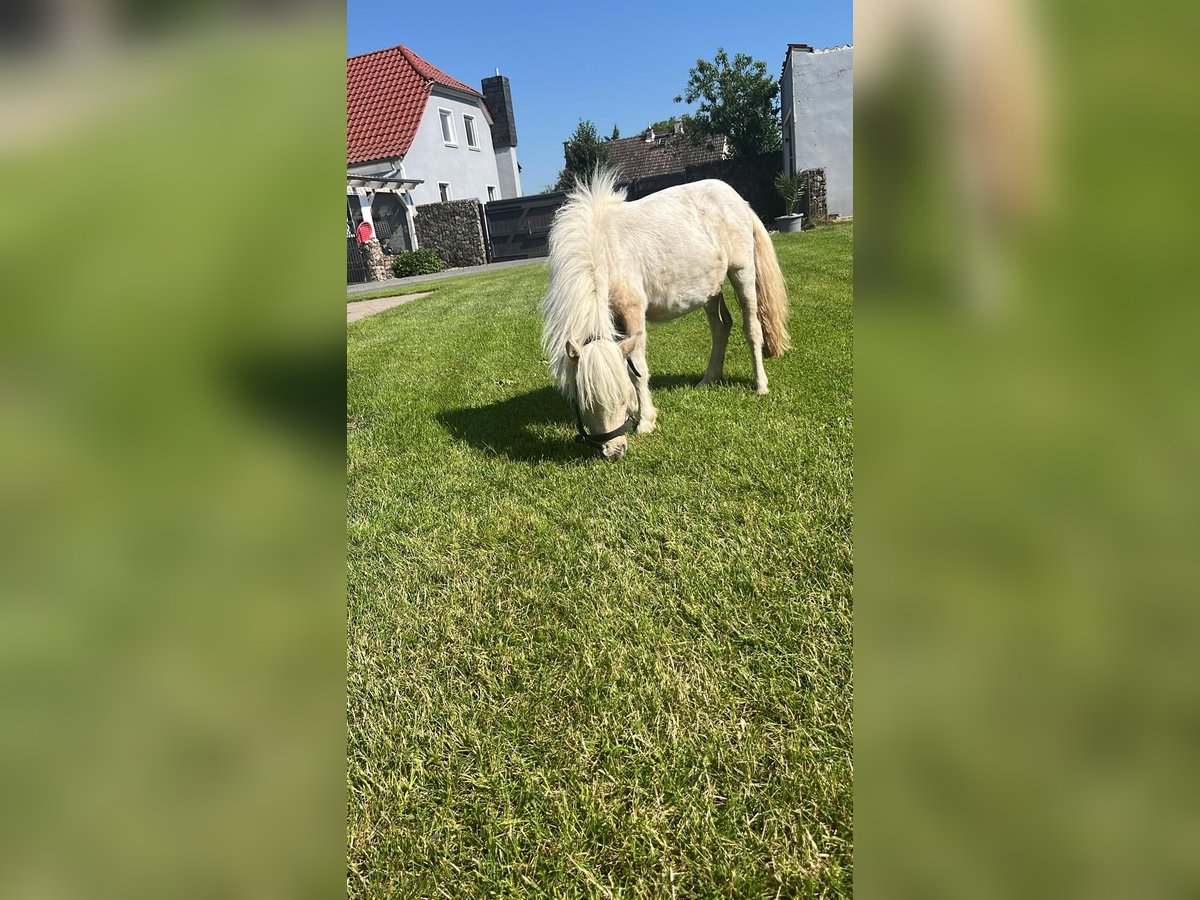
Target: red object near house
365, 233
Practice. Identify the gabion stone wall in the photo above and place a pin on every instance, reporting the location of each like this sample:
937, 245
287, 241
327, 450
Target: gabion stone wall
454, 230
817, 210
378, 266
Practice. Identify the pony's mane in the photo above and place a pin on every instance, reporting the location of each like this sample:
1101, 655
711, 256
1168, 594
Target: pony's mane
576, 305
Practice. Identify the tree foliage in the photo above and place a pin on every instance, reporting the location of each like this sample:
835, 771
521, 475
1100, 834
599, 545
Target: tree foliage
584, 152
616, 133
737, 99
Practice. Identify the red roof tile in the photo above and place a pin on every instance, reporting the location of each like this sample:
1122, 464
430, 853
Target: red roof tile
386, 92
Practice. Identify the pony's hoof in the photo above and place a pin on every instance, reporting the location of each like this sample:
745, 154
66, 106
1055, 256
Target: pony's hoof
646, 426
704, 382
761, 389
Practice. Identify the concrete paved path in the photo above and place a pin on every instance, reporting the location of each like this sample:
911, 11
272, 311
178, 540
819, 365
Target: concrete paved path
367, 286
364, 308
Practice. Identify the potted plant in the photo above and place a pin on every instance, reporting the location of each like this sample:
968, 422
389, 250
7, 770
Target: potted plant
793, 189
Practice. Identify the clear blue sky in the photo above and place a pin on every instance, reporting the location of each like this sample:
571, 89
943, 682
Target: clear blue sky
617, 62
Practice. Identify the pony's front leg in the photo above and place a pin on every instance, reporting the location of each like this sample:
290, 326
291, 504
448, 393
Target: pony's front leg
647, 414
631, 307
720, 323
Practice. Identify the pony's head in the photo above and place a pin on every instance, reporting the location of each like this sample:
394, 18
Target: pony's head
579, 335
603, 392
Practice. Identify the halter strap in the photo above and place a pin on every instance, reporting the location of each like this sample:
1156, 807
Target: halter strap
598, 440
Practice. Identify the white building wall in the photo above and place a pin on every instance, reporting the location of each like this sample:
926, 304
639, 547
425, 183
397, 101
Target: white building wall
817, 101
468, 171
510, 172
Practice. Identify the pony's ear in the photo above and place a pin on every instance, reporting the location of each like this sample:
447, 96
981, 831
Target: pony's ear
627, 346
572, 349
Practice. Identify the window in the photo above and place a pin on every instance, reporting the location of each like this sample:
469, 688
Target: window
444, 187
447, 127
491, 192
469, 124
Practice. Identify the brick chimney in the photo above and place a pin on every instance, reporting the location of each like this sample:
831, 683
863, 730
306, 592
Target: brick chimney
499, 100
498, 97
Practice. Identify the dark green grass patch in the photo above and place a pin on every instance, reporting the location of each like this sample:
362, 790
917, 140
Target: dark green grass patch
570, 678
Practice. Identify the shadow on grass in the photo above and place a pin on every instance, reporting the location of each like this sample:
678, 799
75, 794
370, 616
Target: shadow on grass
678, 382
521, 428
538, 426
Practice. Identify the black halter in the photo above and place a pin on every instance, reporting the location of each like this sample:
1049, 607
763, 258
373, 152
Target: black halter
599, 440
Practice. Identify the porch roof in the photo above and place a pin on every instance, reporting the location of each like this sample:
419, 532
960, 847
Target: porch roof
381, 183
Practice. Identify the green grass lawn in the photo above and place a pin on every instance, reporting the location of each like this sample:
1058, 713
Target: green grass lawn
397, 291
569, 678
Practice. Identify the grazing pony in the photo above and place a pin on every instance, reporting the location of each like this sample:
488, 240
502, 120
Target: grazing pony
616, 264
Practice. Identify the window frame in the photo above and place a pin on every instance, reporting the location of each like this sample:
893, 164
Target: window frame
446, 116
493, 192
471, 132
446, 195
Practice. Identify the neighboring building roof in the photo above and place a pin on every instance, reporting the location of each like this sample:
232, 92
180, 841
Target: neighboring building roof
805, 48
386, 92
634, 157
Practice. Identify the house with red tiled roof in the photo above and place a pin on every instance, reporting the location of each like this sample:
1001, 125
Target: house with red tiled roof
416, 135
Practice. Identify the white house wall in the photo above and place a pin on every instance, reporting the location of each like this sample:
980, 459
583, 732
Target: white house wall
468, 171
510, 172
818, 91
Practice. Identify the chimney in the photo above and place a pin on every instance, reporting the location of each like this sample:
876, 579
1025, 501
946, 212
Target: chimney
800, 48
499, 100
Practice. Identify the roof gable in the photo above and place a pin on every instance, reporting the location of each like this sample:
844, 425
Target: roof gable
386, 93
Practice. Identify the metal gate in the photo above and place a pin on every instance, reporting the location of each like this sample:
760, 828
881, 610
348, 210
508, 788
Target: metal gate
356, 263
520, 228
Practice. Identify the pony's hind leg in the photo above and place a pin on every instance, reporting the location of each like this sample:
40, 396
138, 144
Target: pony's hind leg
743, 283
720, 323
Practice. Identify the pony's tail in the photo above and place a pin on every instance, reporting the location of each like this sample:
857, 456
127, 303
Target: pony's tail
771, 293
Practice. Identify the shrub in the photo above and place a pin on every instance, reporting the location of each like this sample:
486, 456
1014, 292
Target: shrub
418, 262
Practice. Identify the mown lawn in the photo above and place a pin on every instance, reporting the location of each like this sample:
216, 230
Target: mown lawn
568, 678
391, 292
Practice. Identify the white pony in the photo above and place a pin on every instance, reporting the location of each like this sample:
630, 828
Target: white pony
616, 264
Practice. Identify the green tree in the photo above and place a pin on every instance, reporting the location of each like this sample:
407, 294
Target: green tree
584, 152
616, 134
737, 99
